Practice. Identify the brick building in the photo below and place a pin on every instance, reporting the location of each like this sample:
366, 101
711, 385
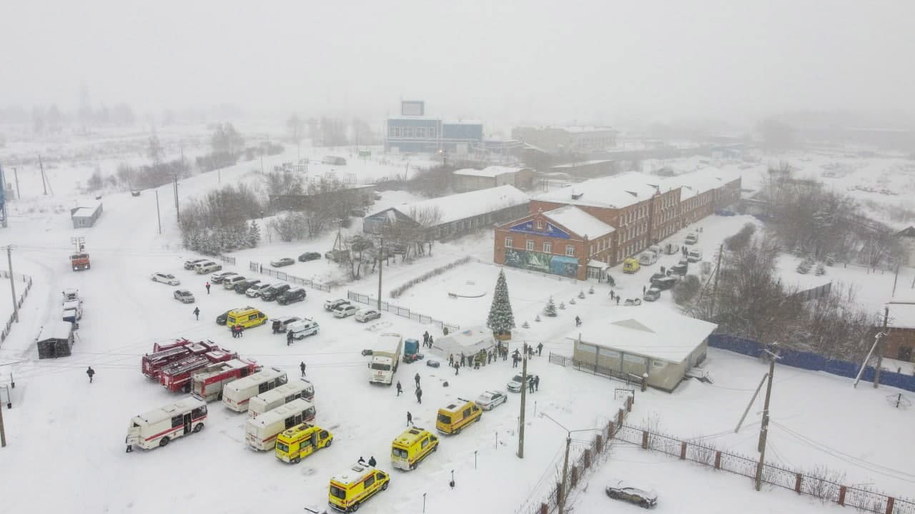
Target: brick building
470, 179
900, 338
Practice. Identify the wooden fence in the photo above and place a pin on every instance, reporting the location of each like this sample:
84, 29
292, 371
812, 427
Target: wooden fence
25, 293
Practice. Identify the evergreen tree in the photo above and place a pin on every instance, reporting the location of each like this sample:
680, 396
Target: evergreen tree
501, 319
254, 235
550, 309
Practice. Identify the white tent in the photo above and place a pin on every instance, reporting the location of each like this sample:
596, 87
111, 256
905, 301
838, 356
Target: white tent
467, 341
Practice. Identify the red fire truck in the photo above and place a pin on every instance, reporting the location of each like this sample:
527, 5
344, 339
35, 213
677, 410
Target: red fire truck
176, 377
163, 355
207, 384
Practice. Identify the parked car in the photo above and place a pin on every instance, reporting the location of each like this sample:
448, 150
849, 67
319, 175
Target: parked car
231, 282
219, 278
293, 295
515, 384
281, 324
285, 261
366, 315
680, 269
664, 283
652, 294
165, 278
432, 364
345, 310
274, 291
243, 287
221, 319
303, 328
491, 399
190, 264
632, 301
202, 268
694, 255
309, 256
184, 296
330, 305
691, 238
625, 492
256, 291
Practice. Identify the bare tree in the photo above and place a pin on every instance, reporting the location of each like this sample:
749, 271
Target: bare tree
296, 128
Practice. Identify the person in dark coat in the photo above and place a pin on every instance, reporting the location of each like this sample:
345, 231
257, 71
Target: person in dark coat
456, 368
372, 461
530, 385
241, 331
431, 341
537, 383
419, 395
197, 313
302, 367
361, 460
417, 379
91, 373
289, 338
539, 349
208, 287
617, 300
400, 390
409, 419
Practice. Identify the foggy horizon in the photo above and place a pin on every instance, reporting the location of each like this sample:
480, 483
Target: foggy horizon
506, 62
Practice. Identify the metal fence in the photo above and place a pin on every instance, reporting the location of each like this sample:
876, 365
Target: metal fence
281, 275
25, 293
821, 486
227, 260
403, 312
613, 374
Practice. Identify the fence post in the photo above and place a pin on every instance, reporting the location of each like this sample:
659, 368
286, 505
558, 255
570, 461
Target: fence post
599, 443
683, 450
644, 439
629, 402
890, 502
558, 492
644, 382
797, 482
842, 490
620, 416
718, 459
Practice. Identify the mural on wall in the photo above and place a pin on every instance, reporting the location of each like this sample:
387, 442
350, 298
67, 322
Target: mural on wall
542, 262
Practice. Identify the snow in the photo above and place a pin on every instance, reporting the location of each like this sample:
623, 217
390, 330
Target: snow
616, 192
579, 222
467, 205
70, 434
488, 172
901, 315
652, 331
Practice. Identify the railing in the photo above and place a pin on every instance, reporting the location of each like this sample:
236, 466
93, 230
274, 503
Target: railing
25, 293
282, 275
403, 312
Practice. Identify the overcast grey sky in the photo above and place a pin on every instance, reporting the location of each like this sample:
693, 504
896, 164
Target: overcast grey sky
585, 61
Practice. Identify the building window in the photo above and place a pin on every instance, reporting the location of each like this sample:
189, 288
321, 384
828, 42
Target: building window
539, 224
570, 251
547, 247
508, 242
530, 246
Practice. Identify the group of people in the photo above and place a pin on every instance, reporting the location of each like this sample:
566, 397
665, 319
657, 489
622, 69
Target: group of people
238, 331
427, 340
533, 384
371, 461
418, 392
528, 350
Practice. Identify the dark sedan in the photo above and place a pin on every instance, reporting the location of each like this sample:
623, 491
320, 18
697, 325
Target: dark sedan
625, 492
309, 256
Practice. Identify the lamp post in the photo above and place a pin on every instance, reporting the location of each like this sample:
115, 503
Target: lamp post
565, 460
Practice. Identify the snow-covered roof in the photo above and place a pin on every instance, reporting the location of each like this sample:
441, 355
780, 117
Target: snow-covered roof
83, 212
57, 329
614, 192
466, 205
902, 314
580, 163
649, 331
489, 171
701, 181
579, 221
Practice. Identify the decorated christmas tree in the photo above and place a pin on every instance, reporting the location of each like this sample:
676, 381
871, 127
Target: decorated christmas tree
501, 319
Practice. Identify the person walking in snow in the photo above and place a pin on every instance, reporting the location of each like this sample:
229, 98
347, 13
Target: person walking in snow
289, 338
372, 461
537, 383
431, 341
456, 368
530, 385
208, 287
409, 419
577, 321
197, 313
91, 373
419, 395
400, 390
539, 349
417, 380
302, 367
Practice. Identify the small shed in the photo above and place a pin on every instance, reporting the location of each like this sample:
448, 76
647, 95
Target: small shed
645, 340
55, 340
468, 341
85, 216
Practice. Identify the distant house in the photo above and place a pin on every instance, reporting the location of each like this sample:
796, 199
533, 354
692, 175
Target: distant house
470, 179
85, 216
355, 195
900, 338
652, 342
55, 340
454, 215
907, 238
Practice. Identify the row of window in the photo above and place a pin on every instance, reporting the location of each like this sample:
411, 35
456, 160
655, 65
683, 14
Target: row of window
420, 132
547, 246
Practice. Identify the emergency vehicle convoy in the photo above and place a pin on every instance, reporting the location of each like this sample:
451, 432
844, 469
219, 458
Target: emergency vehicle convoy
164, 354
237, 394
349, 489
208, 383
300, 441
261, 432
453, 418
411, 447
159, 426
280, 396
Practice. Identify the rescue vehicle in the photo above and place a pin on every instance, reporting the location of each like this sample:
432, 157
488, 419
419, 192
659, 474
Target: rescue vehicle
207, 384
300, 441
176, 377
261, 432
280, 395
453, 418
159, 426
411, 447
236, 395
349, 489
164, 354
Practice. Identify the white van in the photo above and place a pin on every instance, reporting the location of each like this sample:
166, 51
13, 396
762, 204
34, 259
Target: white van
303, 328
235, 395
159, 426
280, 396
202, 268
261, 432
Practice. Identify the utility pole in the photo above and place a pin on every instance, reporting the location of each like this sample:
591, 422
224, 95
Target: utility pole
523, 400
2, 430
177, 211
764, 427
717, 274
380, 267
886, 319
9, 256
896, 279
158, 214
16, 176
44, 182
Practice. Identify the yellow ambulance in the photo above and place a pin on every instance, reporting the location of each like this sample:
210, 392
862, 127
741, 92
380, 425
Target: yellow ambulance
349, 489
300, 441
247, 318
631, 265
411, 447
453, 418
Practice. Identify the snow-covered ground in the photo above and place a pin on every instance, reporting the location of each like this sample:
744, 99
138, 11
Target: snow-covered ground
66, 435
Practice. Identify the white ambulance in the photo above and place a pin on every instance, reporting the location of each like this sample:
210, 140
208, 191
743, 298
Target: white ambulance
261, 432
280, 396
159, 426
235, 395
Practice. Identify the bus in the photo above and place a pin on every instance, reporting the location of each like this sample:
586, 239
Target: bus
280, 396
261, 432
159, 426
235, 395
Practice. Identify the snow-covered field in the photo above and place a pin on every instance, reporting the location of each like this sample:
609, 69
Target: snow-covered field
66, 451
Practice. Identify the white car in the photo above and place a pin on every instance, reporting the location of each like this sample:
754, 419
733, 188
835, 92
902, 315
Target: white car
345, 310
254, 292
165, 278
184, 296
218, 278
302, 329
330, 305
491, 399
367, 315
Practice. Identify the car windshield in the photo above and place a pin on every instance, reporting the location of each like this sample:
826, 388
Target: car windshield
337, 492
381, 367
283, 447
517, 378
399, 453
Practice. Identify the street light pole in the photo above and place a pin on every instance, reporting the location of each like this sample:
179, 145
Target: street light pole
565, 462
